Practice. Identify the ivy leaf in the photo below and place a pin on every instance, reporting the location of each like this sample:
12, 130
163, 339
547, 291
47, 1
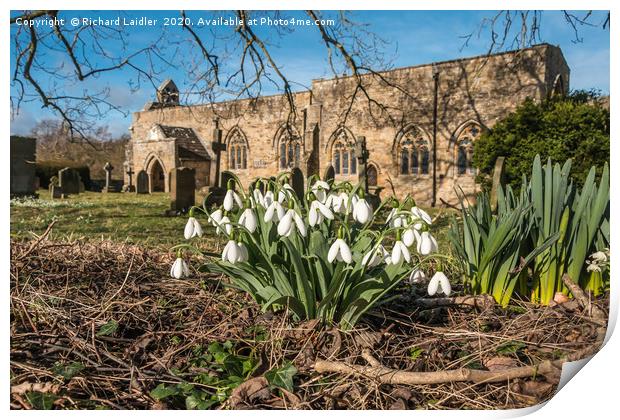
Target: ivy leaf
415, 352
511, 347
162, 391
41, 400
108, 328
282, 377
68, 371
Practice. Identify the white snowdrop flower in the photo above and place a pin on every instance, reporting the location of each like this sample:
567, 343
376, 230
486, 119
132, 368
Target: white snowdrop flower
274, 212
216, 217
362, 211
400, 252
243, 252
419, 214
224, 226
179, 269
417, 276
396, 221
258, 197
339, 251
593, 266
439, 284
318, 212
426, 243
340, 202
230, 199
268, 199
408, 237
231, 252
375, 257
285, 193
287, 224
599, 256
320, 190
248, 219
192, 228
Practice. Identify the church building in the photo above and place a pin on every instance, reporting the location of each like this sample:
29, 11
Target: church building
419, 124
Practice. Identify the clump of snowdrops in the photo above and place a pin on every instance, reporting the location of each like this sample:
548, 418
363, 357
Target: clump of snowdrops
322, 255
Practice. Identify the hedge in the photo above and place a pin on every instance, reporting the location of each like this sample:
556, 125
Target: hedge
47, 169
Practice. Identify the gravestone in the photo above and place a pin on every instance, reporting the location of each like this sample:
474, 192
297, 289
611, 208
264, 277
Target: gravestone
108, 179
69, 181
56, 191
361, 153
142, 184
82, 187
498, 181
297, 182
22, 155
226, 176
129, 187
182, 190
330, 173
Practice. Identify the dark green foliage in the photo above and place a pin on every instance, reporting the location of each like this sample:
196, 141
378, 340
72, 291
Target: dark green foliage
47, 169
573, 127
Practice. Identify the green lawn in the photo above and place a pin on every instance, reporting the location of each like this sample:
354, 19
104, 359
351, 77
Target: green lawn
126, 217
117, 216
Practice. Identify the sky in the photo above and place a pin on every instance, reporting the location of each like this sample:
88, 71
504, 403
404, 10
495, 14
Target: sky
410, 38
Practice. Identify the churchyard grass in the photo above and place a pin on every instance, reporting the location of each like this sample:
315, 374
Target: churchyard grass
123, 217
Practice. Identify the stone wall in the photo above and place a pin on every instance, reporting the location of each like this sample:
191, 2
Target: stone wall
477, 90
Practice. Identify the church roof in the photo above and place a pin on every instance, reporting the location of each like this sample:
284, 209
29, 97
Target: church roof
189, 144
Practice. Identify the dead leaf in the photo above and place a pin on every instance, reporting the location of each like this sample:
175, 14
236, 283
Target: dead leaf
366, 339
500, 363
43, 387
560, 298
399, 404
252, 390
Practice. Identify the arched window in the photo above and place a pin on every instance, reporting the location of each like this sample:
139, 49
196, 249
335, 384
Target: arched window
464, 148
289, 149
413, 153
343, 154
371, 175
237, 150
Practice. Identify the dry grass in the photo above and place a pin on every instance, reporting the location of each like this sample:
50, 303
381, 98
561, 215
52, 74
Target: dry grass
64, 293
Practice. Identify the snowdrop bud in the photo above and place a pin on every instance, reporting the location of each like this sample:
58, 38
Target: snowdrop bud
426, 243
192, 228
408, 237
439, 284
179, 269
362, 211
248, 219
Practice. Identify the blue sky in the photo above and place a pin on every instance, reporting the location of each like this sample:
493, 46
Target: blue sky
412, 37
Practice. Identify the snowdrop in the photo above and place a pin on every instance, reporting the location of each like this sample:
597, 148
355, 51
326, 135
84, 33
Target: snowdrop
320, 190
339, 202
285, 193
375, 256
396, 221
420, 215
362, 211
258, 197
426, 242
268, 199
409, 237
224, 225
439, 284
230, 199
417, 276
400, 251
339, 251
274, 212
318, 211
216, 217
289, 222
192, 228
179, 269
248, 219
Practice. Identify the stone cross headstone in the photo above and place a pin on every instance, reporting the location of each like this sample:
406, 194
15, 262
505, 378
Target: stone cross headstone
69, 181
361, 152
330, 173
297, 182
182, 189
142, 183
498, 181
55, 191
129, 171
108, 177
218, 147
226, 175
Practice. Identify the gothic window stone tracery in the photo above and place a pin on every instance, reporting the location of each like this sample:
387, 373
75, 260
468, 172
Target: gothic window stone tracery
465, 149
413, 153
343, 154
289, 150
237, 151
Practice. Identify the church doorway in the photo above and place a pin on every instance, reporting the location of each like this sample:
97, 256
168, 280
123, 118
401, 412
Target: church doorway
157, 178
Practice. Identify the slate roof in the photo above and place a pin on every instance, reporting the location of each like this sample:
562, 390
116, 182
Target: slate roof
187, 140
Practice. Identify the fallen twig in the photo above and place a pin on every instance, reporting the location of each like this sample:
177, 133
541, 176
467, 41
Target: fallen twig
480, 301
593, 311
